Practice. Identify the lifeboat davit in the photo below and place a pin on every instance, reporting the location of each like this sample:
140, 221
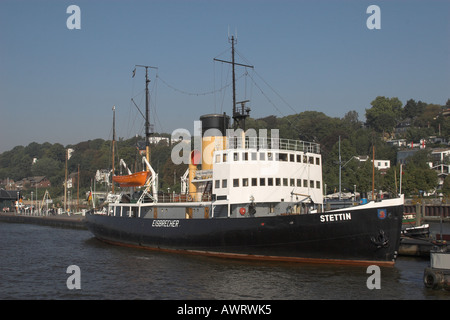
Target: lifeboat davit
137, 179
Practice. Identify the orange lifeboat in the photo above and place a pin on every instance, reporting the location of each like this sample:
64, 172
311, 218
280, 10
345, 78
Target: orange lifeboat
137, 179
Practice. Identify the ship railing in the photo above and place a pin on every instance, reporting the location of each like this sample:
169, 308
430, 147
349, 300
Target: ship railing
272, 144
181, 197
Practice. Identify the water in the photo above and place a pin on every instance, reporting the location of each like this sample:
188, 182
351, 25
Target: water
34, 260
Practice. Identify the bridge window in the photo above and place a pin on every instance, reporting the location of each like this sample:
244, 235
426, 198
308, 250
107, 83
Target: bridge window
283, 157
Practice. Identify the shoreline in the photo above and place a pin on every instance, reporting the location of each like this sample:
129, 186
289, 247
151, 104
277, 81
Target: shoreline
60, 221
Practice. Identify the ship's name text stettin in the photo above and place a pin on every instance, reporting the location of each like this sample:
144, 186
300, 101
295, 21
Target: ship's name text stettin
335, 217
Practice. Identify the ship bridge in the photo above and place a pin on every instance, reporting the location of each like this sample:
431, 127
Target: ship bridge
267, 170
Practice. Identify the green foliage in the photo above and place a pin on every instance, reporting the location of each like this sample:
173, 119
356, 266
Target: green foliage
413, 109
314, 126
384, 114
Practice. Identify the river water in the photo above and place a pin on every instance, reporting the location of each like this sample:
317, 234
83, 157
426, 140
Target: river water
34, 262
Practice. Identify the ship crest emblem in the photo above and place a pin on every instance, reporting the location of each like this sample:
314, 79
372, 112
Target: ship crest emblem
382, 214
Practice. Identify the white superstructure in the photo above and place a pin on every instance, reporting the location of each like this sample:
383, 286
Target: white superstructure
287, 173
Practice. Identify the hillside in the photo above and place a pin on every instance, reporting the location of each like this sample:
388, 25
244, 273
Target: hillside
387, 119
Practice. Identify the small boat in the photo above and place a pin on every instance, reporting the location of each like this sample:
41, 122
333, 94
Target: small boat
422, 231
137, 179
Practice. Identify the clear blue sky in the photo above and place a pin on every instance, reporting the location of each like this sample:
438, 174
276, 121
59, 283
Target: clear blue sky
59, 85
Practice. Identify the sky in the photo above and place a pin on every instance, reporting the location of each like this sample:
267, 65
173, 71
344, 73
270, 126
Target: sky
59, 84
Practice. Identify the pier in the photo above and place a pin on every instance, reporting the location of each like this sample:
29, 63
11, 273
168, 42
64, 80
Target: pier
428, 212
60, 221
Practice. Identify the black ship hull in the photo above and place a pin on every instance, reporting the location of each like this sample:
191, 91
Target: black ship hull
356, 236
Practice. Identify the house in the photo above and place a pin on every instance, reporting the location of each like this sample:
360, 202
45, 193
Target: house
403, 155
443, 170
40, 182
397, 142
382, 165
439, 155
8, 184
33, 182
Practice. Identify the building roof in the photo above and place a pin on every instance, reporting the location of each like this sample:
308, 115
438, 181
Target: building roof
8, 194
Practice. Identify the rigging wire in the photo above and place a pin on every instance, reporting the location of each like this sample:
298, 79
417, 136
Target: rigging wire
273, 104
154, 96
196, 93
273, 90
265, 82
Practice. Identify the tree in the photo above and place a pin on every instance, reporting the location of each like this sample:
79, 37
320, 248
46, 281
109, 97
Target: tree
351, 119
364, 177
429, 116
384, 114
413, 109
46, 167
418, 177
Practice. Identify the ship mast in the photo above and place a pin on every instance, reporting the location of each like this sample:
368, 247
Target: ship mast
239, 115
113, 145
147, 113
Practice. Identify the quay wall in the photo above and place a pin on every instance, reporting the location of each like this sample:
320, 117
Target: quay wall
63, 221
429, 212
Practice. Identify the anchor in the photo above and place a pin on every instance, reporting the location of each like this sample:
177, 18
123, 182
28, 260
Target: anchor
381, 241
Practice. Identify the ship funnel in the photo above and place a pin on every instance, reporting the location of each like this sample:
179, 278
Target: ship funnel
214, 127
194, 161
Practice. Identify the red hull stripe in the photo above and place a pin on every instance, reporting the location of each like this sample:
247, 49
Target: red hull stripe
260, 257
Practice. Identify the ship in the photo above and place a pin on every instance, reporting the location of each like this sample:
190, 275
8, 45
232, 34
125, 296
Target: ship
248, 196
